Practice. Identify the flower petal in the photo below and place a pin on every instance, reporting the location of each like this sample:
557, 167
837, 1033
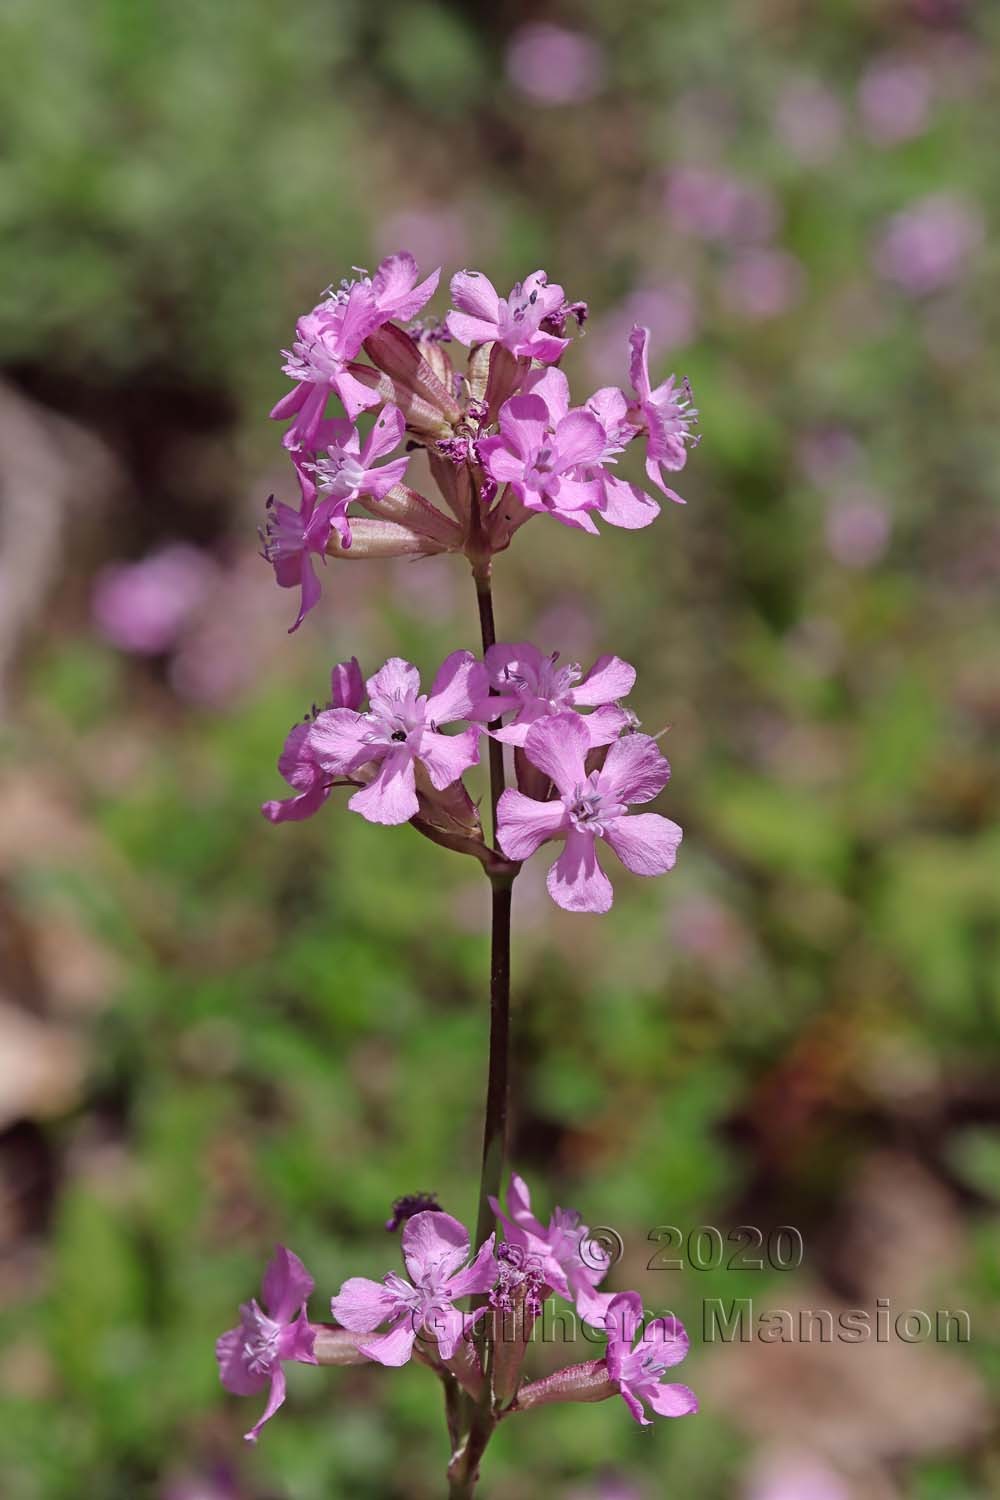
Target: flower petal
627, 506
311, 590
635, 1406
347, 686
671, 1400
622, 1321
645, 843
434, 1246
338, 740
553, 387
638, 364
558, 745
580, 439
667, 1339
287, 1285
477, 1277
276, 1397
386, 435
605, 724
233, 1371
451, 1326
524, 421
609, 679
523, 824
392, 797
361, 1304
576, 881
474, 293
461, 682
448, 756
470, 331
395, 1347
395, 680
635, 770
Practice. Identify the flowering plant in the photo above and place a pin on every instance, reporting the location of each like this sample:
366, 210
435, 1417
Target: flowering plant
505, 444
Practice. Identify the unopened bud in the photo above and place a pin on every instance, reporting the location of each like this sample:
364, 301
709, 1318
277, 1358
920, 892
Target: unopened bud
337, 1346
382, 539
587, 1382
410, 509
392, 351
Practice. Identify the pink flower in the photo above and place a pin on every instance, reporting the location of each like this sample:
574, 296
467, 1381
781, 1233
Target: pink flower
531, 686
349, 469
297, 762
588, 806
541, 461
435, 1246
399, 730
143, 607
329, 337
567, 1259
761, 284
927, 246
554, 65
662, 1344
894, 97
664, 413
251, 1356
714, 206
293, 538
483, 317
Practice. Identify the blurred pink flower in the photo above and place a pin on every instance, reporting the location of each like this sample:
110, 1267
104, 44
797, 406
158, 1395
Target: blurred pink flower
661, 1344
703, 928
809, 121
668, 311
894, 97
433, 231
252, 1355
553, 65
143, 607
827, 454
790, 1476
928, 245
858, 527
762, 284
713, 205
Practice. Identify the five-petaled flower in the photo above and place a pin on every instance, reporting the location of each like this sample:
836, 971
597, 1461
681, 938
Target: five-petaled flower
532, 686
637, 1371
484, 317
348, 469
293, 539
400, 732
252, 1355
589, 805
330, 336
664, 413
298, 764
545, 462
435, 1248
568, 1260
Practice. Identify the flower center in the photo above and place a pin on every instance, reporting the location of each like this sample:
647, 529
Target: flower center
261, 1344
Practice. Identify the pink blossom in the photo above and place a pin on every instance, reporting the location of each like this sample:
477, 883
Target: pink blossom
330, 336
894, 97
553, 65
664, 413
588, 806
638, 1371
761, 284
292, 539
435, 1247
809, 119
568, 1260
349, 470
858, 527
715, 206
143, 607
927, 246
543, 462
484, 317
531, 686
400, 730
251, 1356
297, 762
795, 1476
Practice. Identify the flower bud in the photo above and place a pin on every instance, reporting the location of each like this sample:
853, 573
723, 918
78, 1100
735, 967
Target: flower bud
506, 376
409, 508
392, 351
587, 1382
337, 1346
382, 539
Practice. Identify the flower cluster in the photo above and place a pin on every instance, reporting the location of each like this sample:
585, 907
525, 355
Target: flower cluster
582, 762
399, 1318
505, 426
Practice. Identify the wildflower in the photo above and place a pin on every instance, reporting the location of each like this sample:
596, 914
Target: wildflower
399, 731
665, 414
542, 462
565, 1257
483, 317
532, 686
292, 539
252, 1355
589, 806
349, 471
297, 763
435, 1246
330, 336
637, 1371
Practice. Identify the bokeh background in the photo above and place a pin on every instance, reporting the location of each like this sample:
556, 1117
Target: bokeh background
214, 1033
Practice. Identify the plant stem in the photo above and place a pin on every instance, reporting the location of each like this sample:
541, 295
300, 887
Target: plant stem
501, 881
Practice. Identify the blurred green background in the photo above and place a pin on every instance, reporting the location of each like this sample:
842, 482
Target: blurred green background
215, 1034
